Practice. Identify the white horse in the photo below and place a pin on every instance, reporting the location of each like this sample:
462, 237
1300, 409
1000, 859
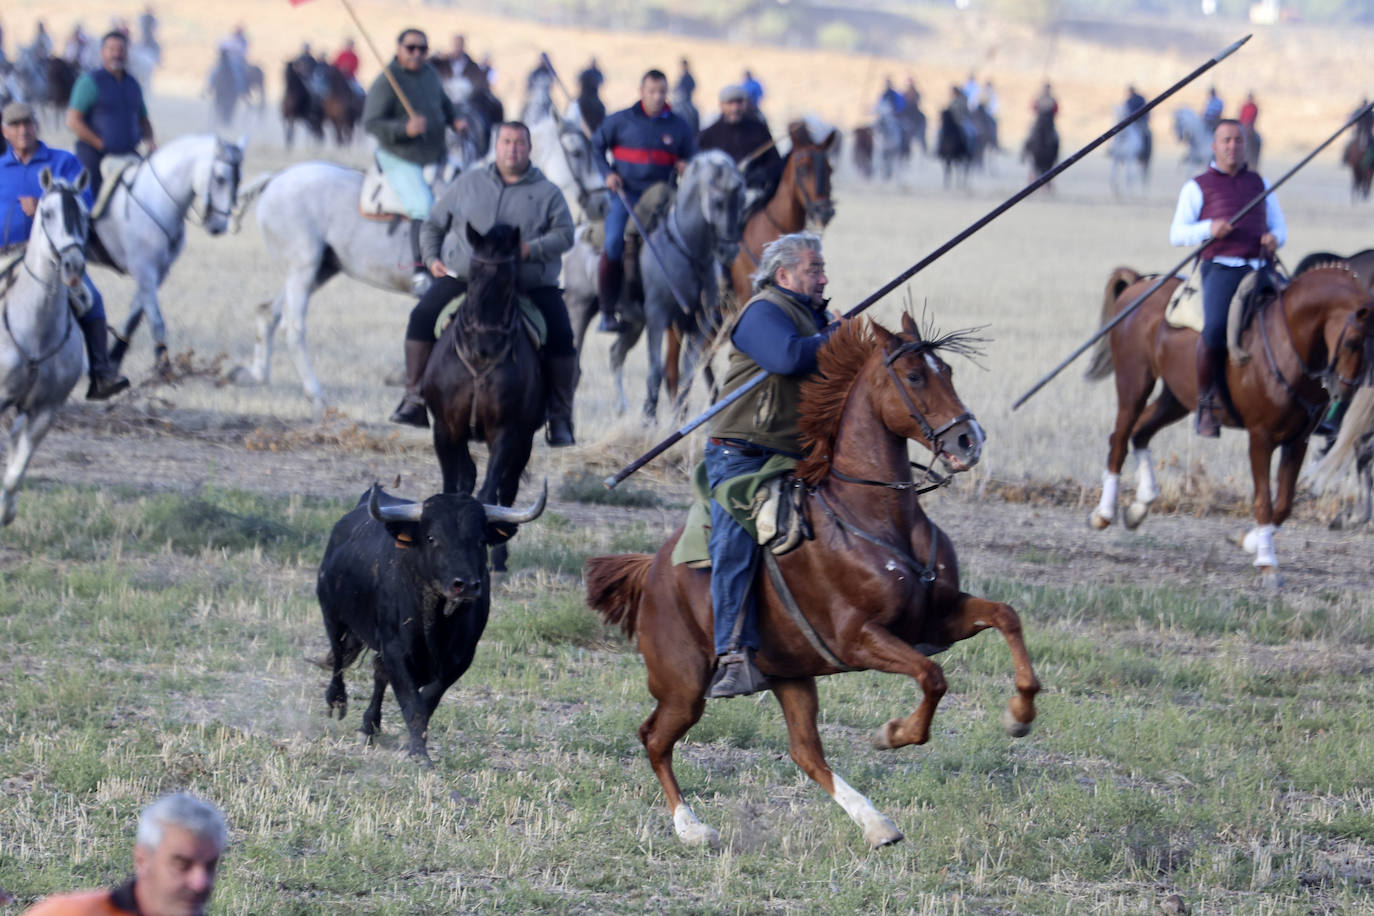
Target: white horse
308, 214
1130, 154
1192, 132
142, 229
41, 352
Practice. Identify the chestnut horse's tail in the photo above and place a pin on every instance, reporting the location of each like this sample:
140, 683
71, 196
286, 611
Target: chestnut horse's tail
1100, 365
615, 585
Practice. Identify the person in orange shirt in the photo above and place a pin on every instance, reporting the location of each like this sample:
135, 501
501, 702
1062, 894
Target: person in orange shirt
176, 854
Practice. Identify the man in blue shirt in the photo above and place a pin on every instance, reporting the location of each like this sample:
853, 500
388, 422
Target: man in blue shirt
106, 110
20, 167
779, 331
647, 144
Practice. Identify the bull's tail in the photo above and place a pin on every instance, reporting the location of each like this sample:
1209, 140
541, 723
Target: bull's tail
1100, 364
1359, 419
248, 194
615, 586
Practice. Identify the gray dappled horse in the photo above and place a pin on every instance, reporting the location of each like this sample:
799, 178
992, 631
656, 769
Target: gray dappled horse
143, 228
41, 349
308, 214
1190, 130
701, 228
1130, 154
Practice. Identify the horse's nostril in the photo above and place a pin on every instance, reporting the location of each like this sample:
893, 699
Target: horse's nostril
458, 585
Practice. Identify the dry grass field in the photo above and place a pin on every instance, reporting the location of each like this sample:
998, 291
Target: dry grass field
1197, 735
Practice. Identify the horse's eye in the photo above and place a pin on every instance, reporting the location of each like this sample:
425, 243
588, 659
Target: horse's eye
916, 377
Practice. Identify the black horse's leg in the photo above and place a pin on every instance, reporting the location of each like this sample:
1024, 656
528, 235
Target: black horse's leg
455, 461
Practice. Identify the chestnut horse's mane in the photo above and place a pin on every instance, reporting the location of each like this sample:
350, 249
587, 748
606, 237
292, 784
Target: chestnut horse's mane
839, 361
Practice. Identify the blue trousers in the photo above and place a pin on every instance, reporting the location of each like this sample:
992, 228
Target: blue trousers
617, 217
97, 302
1219, 284
407, 179
734, 555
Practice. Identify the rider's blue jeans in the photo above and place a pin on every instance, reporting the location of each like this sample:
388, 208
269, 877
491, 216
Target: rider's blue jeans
734, 555
617, 217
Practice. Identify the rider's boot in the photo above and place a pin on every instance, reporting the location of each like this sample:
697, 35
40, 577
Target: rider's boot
106, 382
420, 277
411, 411
1207, 400
610, 275
560, 381
736, 676
634, 281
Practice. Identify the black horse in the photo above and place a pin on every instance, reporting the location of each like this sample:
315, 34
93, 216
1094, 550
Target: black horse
1042, 146
298, 103
484, 381
952, 147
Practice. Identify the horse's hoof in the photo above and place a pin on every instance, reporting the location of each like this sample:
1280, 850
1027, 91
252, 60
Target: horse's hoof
882, 738
1135, 514
1097, 521
1013, 727
883, 833
692, 831
1270, 577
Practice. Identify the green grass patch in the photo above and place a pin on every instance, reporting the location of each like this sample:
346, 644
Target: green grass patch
586, 487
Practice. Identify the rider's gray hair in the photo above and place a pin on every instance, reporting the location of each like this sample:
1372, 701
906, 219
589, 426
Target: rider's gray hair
784, 251
198, 817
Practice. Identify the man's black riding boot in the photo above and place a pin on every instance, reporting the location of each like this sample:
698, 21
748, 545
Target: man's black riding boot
420, 277
560, 381
106, 382
411, 411
610, 275
634, 281
1206, 424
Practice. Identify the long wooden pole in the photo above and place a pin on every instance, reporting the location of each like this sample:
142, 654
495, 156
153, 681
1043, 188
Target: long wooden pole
1164, 277
683, 431
386, 69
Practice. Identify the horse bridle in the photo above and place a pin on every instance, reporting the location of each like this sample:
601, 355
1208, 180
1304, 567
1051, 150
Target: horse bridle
812, 205
1329, 377
934, 436
32, 362
221, 156
584, 194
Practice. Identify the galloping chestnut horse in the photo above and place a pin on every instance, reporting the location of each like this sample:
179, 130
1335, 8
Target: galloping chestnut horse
878, 585
1315, 341
802, 200
484, 381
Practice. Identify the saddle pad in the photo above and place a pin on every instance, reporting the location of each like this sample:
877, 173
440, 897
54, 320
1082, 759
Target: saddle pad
530, 316
1185, 305
112, 169
747, 498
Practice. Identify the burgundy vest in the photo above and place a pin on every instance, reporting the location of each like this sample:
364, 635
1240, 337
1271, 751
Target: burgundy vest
1222, 196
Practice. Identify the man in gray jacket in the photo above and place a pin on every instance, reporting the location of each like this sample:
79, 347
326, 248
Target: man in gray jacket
513, 192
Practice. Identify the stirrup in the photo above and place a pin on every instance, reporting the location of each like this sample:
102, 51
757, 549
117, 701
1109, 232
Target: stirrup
411, 412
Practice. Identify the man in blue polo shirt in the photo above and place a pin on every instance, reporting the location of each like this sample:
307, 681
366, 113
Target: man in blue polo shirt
20, 167
647, 144
106, 111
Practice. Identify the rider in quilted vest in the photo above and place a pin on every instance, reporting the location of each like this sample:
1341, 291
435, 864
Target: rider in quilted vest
1205, 206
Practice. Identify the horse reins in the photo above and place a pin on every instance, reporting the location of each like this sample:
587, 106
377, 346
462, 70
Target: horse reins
1324, 377
467, 329
32, 362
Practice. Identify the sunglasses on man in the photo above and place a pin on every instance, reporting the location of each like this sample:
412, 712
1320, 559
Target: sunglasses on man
416, 49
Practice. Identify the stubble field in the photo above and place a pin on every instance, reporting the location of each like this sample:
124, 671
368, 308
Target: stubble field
1197, 735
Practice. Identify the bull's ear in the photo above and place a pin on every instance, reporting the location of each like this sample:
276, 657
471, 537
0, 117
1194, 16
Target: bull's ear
500, 532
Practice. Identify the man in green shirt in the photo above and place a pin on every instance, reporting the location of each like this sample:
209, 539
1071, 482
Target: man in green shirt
410, 134
106, 111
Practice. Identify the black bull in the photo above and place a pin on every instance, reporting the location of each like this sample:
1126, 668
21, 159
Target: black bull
410, 581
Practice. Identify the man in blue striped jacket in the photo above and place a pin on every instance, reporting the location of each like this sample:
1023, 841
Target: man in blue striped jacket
647, 143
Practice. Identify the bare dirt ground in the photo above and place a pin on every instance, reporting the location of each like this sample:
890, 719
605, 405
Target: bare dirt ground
139, 444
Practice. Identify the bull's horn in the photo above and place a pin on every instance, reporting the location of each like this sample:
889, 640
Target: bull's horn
517, 516
410, 512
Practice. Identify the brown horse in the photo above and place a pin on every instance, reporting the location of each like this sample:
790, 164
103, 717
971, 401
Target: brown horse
1313, 342
802, 200
1356, 156
878, 586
